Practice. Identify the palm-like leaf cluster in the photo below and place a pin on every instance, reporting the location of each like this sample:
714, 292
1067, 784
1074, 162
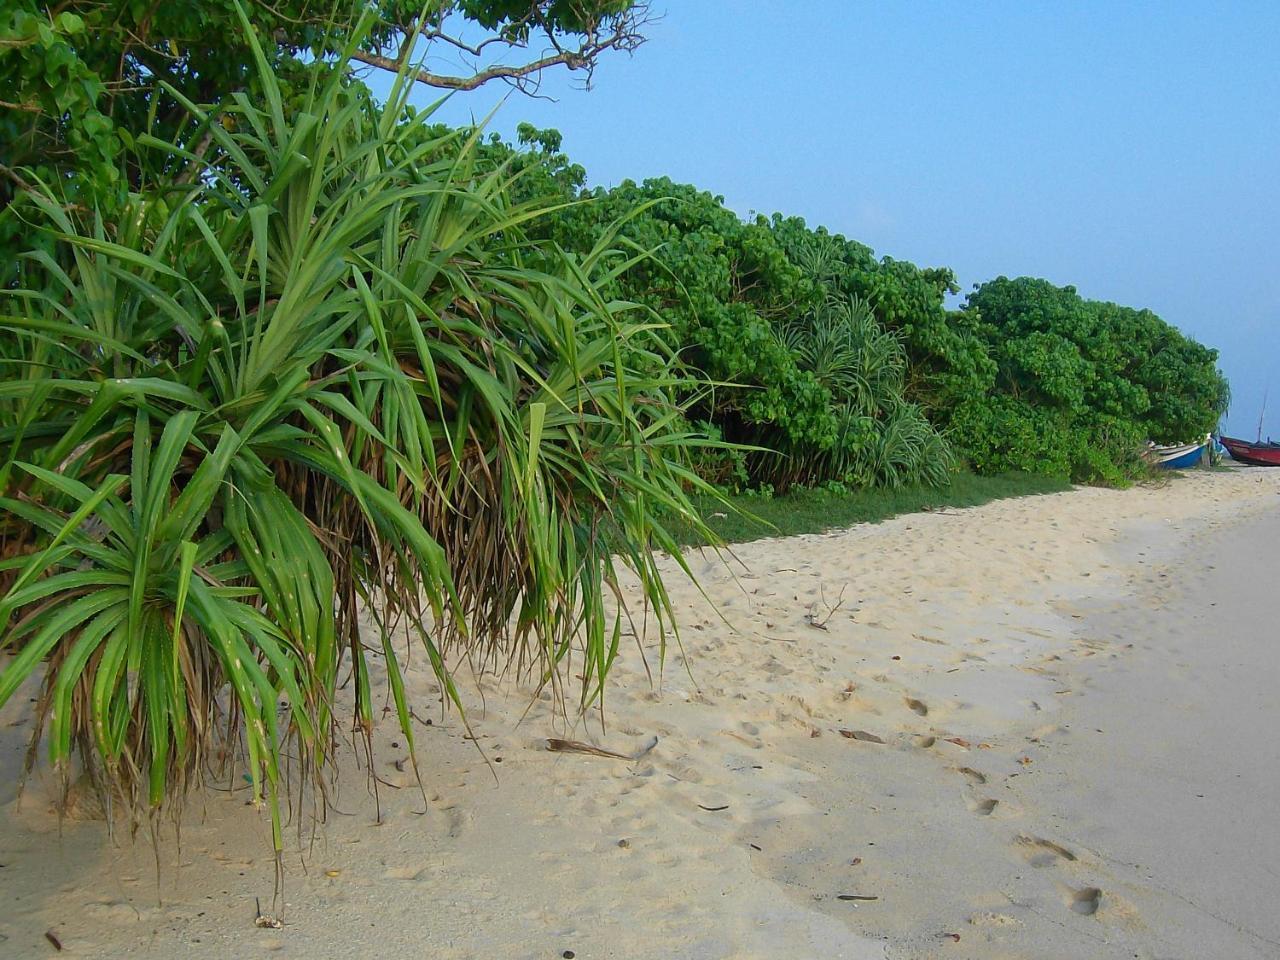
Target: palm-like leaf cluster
881, 439
328, 376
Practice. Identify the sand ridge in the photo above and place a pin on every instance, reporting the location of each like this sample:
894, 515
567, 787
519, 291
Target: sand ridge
849, 767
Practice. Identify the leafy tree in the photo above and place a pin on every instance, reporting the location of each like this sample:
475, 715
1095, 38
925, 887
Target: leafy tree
1027, 376
722, 286
84, 80
1081, 384
882, 438
817, 382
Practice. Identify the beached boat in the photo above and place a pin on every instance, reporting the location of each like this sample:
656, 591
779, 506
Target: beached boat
1257, 454
1178, 456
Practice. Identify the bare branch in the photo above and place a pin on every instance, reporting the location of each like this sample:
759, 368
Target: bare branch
598, 36
472, 82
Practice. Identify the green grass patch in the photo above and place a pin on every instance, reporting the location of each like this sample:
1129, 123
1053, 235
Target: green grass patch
813, 511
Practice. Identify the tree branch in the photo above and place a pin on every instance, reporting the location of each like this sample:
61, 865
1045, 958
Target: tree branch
445, 82
596, 37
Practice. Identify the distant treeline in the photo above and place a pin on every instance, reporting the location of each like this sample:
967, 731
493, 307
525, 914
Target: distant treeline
835, 366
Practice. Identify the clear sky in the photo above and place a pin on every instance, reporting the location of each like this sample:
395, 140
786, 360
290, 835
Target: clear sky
1129, 149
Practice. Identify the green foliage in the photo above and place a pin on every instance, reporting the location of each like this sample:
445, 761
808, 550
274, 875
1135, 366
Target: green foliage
330, 378
823, 396
83, 85
40, 64
723, 287
1081, 385
83, 79
1026, 377
947, 362
512, 17
882, 439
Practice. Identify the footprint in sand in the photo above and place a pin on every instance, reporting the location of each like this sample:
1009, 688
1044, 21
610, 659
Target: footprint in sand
973, 775
1086, 901
456, 819
748, 733
407, 873
984, 808
917, 706
1040, 734
919, 636
1042, 853
115, 911
685, 772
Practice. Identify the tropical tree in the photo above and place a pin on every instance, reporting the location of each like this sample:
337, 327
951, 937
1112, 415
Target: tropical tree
883, 439
329, 376
1026, 376
768, 322
947, 361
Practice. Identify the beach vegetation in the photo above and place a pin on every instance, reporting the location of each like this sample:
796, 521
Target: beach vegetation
312, 399
1021, 376
293, 379
1080, 385
808, 382
83, 80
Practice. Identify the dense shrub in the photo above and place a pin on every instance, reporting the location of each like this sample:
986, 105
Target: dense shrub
753, 313
1025, 376
1081, 385
882, 438
330, 380
947, 361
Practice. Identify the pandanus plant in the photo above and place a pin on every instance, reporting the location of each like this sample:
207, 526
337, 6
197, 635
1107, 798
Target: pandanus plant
323, 374
879, 439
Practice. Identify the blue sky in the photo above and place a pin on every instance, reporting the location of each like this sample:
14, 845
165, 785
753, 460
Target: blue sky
1132, 150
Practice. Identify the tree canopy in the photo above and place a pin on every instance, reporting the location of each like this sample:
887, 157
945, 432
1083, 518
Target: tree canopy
1026, 375
1023, 376
84, 80
1081, 384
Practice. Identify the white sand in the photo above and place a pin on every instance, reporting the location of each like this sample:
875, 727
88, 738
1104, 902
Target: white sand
1124, 729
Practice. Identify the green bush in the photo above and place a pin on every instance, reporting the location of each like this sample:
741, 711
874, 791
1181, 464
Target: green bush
755, 316
331, 376
1081, 385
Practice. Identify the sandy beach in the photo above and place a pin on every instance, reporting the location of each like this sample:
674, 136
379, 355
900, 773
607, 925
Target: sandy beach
1041, 728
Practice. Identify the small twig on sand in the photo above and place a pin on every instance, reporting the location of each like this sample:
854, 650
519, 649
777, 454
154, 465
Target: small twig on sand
812, 617
557, 745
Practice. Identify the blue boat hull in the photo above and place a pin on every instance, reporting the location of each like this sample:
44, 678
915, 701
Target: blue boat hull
1184, 462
